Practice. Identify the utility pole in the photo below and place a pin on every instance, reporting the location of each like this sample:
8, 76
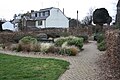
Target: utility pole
77, 18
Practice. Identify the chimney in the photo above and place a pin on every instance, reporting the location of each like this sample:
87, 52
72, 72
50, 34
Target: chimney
63, 10
32, 11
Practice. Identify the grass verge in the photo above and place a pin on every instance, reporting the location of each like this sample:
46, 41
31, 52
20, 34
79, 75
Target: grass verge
24, 68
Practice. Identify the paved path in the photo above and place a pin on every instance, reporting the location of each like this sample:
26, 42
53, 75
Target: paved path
82, 66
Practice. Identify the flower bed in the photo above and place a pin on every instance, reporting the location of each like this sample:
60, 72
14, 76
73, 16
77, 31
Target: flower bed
63, 46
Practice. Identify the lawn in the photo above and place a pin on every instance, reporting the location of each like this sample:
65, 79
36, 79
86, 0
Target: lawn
23, 68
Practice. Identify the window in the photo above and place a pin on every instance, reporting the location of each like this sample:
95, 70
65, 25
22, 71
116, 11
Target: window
30, 23
38, 15
35, 14
43, 13
46, 13
39, 23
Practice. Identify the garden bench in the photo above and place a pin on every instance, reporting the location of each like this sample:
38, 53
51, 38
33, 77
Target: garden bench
44, 38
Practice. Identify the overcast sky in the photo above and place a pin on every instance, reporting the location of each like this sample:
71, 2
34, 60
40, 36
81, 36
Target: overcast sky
10, 7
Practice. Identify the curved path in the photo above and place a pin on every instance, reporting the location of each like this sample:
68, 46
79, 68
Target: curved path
82, 67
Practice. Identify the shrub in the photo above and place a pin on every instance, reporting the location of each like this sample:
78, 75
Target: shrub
71, 40
36, 47
96, 36
45, 47
65, 51
19, 48
101, 37
74, 50
65, 44
85, 38
53, 49
102, 46
26, 47
60, 41
70, 50
28, 40
26, 43
3, 46
78, 42
14, 47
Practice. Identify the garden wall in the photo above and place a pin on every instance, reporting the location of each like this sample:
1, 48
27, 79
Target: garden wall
113, 52
70, 31
12, 37
6, 37
81, 31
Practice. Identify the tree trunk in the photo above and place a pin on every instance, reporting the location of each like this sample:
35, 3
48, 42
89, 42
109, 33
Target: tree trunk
99, 28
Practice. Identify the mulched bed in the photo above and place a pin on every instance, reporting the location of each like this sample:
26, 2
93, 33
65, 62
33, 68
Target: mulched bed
109, 71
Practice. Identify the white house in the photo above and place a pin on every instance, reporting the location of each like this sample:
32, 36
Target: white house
51, 17
8, 26
44, 18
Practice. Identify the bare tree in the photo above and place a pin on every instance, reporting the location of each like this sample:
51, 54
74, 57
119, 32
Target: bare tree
88, 19
15, 15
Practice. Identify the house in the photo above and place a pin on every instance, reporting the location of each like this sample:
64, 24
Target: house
118, 14
44, 18
51, 17
8, 26
1, 22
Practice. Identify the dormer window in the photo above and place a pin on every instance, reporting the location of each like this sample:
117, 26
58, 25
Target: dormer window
38, 15
47, 13
43, 13
32, 15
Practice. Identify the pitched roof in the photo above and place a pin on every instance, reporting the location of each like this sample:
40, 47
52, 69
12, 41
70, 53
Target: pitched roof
46, 9
118, 4
38, 18
42, 10
41, 18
